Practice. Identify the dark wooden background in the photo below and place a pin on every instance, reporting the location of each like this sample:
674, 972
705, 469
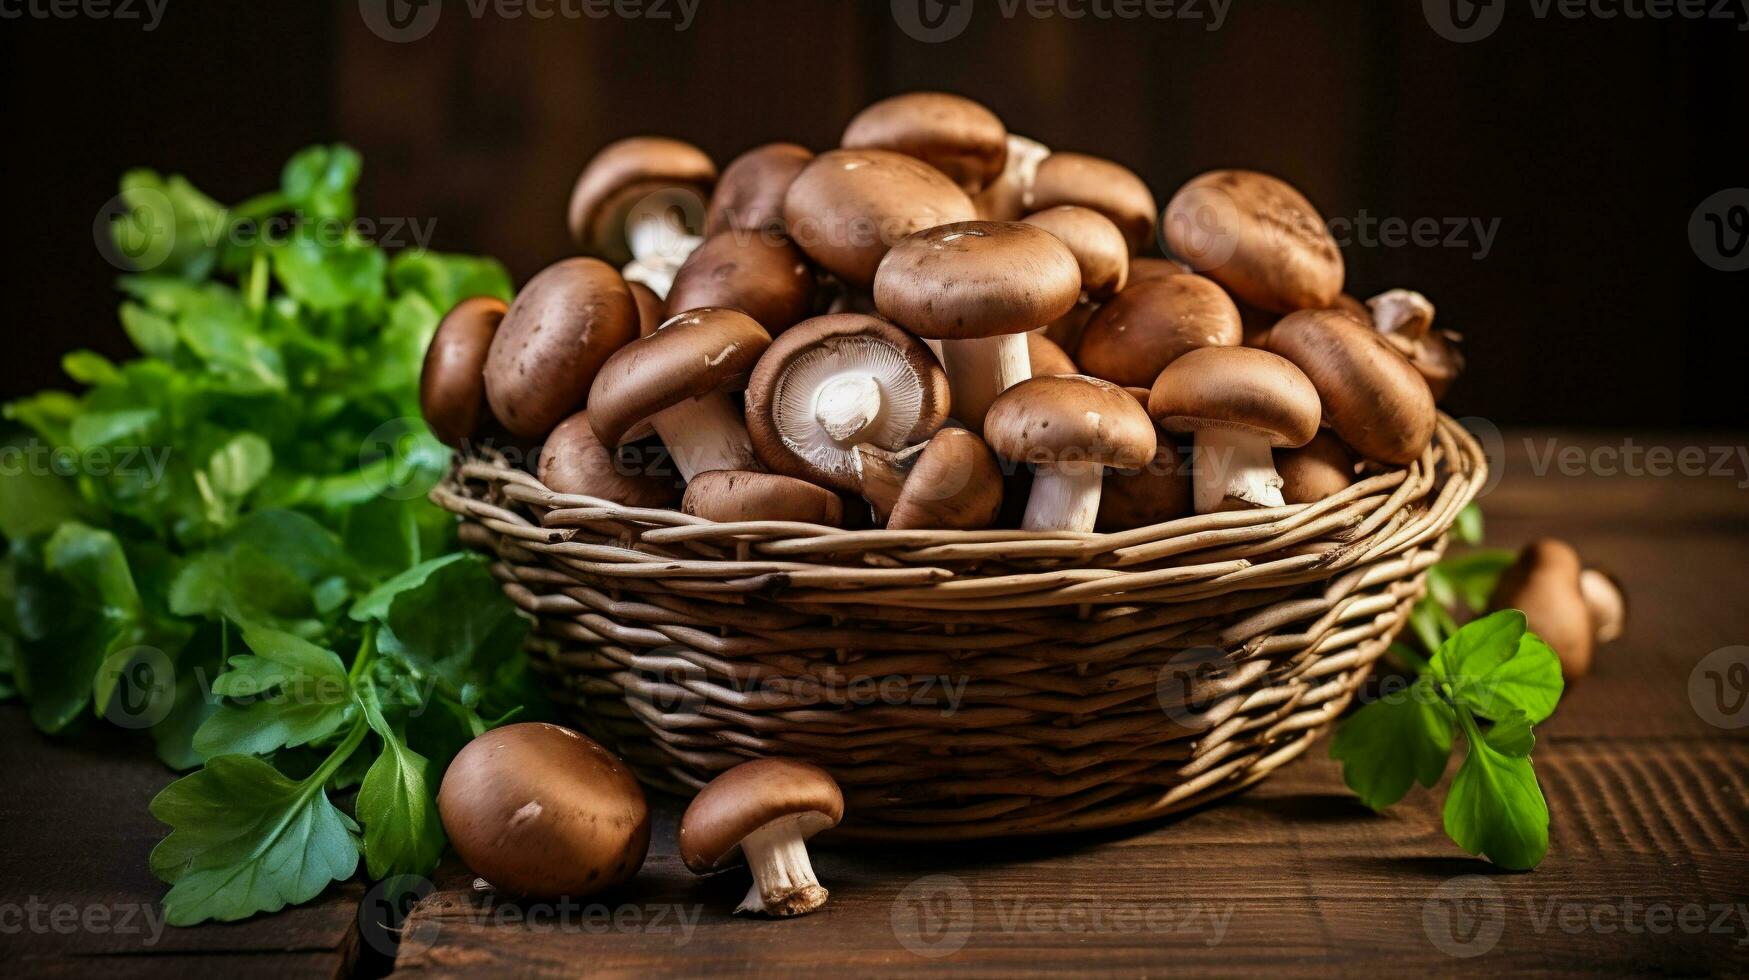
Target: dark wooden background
1590, 141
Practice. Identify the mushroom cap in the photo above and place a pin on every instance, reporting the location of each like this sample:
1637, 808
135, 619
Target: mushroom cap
748, 797
1401, 312
954, 483
574, 461
652, 311
769, 280
1545, 583
692, 355
1321, 468
452, 386
1606, 601
1236, 389
1152, 494
621, 176
1110, 188
974, 279
1257, 236
1047, 357
749, 195
1145, 267
1143, 329
848, 207
565, 323
788, 380
542, 811
1070, 419
1437, 356
1098, 244
1346, 303
1373, 397
951, 133
732, 496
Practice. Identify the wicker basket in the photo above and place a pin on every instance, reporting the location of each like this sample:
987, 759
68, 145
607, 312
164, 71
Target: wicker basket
976, 683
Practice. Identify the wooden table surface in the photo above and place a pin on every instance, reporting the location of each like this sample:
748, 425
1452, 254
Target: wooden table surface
1648, 872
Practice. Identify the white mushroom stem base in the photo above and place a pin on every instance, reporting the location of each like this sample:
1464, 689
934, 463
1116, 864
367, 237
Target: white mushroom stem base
979, 370
1065, 497
704, 434
659, 248
783, 877
1233, 470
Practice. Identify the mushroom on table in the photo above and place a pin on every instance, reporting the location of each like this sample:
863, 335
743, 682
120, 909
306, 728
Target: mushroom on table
1070, 428
1571, 607
632, 202
762, 813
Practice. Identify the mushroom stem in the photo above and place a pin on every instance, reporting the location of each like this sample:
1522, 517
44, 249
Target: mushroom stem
704, 434
783, 877
1024, 156
1065, 497
659, 248
1233, 470
980, 369
848, 405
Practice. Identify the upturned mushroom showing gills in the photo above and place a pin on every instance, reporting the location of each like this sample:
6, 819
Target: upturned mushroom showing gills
1257, 236
541, 811
1110, 188
951, 133
679, 379
733, 496
762, 813
1238, 403
951, 482
452, 387
1132, 338
1070, 428
849, 206
565, 323
1373, 397
749, 196
837, 381
978, 286
642, 201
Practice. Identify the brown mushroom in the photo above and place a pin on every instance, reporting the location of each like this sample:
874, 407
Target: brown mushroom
638, 199
1157, 492
652, 311
574, 461
452, 387
1070, 429
978, 287
1258, 237
951, 133
1092, 182
834, 382
733, 496
1373, 397
1065, 331
1321, 468
762, 813
563, 326
1005, 198
1145, 328
951, 482
1606, 602
1098, 245
1046, 357
1405, 319
849, 206
1238, 402
678, 379
541, 811
1544, 583
1143, 268
768, 280
749, 195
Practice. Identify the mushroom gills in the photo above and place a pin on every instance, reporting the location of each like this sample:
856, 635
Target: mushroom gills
704, 434
1233, 469
1065, 497
843, 394
783, 876
980, 369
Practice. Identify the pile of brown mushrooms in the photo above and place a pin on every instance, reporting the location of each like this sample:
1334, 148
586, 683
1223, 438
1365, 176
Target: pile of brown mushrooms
898, 331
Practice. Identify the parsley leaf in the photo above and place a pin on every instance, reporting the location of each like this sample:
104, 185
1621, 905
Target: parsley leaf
397, 803
291, 692
1391, 744
1495, 807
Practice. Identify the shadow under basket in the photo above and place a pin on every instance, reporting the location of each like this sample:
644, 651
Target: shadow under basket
968, 684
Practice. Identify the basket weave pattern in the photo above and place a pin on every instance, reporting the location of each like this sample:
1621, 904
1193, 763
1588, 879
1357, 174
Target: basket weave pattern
975, 683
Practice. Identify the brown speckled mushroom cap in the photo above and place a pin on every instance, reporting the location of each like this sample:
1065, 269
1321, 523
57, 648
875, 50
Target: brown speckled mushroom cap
746, 798
1146, 327
749, 195
769, 280
452, 386
623, 174
692, 355
1373, 397
652, 311
1145, 267
974, 279
803, 366
1238, 389
1047, 357
952, 482
1099, 246
732, 496
565, 323
1257, 236
1321, 468
849, 206
574, 461
542, 811
953, 134
1110, 188
1070, 419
